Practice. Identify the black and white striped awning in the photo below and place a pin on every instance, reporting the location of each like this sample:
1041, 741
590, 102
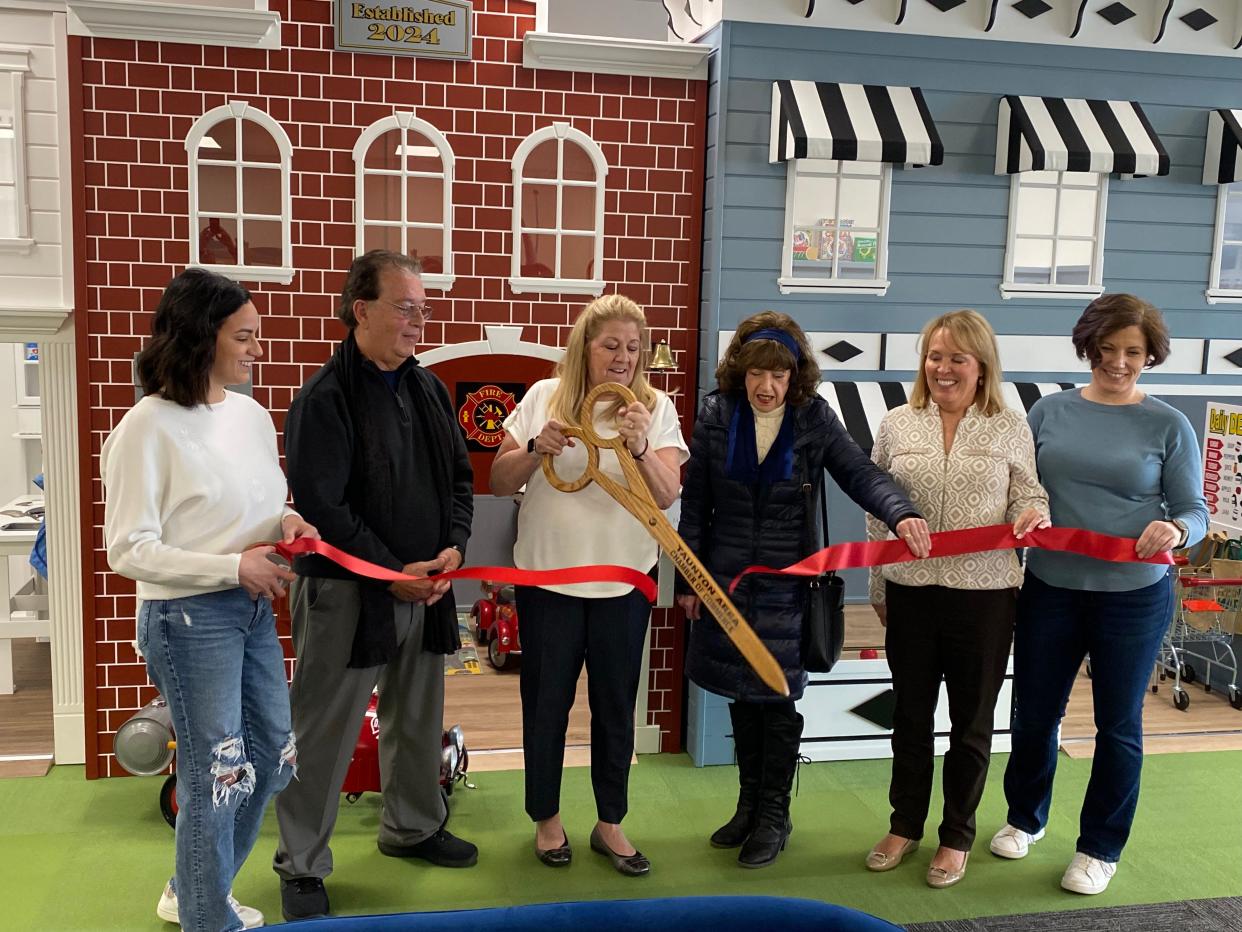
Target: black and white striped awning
1222, 163
1062, 134
862, 405
852, 122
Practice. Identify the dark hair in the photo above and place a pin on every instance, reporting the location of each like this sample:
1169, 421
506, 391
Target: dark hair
769, 354
176, 362
1112, 312
363, 281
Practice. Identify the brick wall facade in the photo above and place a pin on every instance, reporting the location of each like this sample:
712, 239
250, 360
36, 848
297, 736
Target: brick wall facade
137, 101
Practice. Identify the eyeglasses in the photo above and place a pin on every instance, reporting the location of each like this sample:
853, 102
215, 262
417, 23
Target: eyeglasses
408, 311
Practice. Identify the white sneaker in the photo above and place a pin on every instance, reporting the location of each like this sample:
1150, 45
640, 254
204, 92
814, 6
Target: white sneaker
1013, 843
167, 910
1088, 875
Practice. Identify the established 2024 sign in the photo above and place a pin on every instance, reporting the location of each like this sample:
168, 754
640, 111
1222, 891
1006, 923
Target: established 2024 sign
429, 28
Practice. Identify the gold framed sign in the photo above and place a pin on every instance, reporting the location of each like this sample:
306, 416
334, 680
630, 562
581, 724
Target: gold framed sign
422, 28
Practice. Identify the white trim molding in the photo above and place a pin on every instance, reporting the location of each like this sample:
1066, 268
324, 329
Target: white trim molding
598, 55
563, 134
256, 28
239, 112
23, 323
501, 340
407, 123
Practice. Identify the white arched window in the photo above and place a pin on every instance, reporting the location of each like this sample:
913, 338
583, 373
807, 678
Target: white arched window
404, 198
558, 212
240, 205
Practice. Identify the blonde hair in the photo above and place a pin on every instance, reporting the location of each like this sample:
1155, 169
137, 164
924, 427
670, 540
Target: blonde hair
973, 334
572, 369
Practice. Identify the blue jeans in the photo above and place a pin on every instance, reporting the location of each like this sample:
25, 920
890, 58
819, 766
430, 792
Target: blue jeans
1056, 629
216, 660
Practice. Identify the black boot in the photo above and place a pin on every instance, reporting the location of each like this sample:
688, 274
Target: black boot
748, 745
782, 737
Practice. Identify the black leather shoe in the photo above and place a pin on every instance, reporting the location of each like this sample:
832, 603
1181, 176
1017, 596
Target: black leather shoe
303, 898
632, 865
443, 849
555, 857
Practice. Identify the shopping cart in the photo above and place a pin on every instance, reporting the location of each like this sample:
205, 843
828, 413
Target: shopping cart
1201, 629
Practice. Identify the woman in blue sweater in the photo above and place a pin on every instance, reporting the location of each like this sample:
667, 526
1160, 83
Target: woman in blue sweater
1117, 461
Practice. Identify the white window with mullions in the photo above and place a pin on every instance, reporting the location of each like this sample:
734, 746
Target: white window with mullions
1225, 284
240, 202
836, 226
558, 213
404, 194
1055, 247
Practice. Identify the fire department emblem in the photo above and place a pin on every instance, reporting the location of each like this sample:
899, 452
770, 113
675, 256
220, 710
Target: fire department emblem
482, 415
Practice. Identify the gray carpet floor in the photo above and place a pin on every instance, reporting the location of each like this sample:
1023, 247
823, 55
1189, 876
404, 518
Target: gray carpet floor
1224, 915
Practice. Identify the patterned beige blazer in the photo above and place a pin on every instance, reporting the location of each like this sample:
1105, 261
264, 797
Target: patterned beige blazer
987, 477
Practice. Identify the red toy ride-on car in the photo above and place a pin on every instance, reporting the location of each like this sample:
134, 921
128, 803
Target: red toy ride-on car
494, 619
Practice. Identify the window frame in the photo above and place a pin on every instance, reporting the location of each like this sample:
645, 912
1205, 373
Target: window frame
1095, 287
239, 111
1215, 294
406, 121
563, 133
789, 283
15, 62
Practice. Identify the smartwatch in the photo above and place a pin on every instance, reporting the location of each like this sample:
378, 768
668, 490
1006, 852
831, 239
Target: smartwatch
1184, 528
530, 445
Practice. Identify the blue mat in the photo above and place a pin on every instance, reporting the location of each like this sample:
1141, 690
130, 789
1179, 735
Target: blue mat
720, 913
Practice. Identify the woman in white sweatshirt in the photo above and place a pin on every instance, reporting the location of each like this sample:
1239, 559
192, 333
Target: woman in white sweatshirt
192, 482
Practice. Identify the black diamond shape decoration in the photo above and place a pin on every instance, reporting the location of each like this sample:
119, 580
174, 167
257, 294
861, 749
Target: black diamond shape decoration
854, 2
945, 5
843, 351
1032, 8
1235, 357
1117, 13
1198, 19
879, 709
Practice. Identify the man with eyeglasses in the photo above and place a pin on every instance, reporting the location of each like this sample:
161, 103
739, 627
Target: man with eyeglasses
377, 463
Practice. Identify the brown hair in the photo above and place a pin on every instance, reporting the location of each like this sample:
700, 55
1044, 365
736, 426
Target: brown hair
970, 331
1112, 312
771, 355
176, 362
363, 281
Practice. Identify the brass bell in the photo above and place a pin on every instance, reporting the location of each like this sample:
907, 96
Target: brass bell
662, 358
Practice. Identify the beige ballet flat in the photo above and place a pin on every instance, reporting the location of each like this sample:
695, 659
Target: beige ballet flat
940, 878
878, 861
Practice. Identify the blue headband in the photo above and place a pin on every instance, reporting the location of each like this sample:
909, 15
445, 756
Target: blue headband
781, 337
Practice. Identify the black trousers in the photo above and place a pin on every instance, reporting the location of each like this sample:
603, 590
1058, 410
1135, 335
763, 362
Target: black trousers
960, 636
559, 633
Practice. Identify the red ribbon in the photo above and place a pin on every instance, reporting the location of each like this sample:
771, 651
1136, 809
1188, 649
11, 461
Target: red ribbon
497, 574
861, 554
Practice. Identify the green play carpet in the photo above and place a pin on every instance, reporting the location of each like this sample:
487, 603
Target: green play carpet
93, 855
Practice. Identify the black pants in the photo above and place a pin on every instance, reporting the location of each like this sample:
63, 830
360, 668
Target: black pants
558, 633
962, 637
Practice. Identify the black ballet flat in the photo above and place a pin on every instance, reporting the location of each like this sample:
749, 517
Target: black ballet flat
633, 865
555, 857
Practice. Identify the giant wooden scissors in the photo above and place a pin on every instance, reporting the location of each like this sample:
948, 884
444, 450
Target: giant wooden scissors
636, 498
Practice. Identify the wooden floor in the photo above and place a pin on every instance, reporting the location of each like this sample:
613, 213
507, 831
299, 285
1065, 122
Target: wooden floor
26, 715
489, 709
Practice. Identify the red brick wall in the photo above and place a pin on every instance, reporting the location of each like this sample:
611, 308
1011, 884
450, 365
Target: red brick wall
137, 101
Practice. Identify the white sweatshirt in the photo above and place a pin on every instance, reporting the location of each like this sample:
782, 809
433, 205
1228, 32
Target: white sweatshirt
187, 490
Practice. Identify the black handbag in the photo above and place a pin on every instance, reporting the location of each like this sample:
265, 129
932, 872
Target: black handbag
823, 622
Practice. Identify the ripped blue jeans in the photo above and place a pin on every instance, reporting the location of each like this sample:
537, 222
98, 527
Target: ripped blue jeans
216, 660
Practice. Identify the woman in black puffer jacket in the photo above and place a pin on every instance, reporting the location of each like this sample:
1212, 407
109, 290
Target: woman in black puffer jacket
759, 439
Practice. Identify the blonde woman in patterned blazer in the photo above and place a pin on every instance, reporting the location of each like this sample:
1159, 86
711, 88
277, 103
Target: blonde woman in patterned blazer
966, 461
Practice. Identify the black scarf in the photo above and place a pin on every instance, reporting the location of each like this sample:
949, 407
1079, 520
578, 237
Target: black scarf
375, 638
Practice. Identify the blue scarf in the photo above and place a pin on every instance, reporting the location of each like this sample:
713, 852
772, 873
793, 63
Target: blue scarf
742, 462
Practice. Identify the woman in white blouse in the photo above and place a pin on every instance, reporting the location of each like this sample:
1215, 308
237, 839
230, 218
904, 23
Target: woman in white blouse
966, 461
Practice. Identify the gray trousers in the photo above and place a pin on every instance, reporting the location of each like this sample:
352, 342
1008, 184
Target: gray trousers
329, 700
